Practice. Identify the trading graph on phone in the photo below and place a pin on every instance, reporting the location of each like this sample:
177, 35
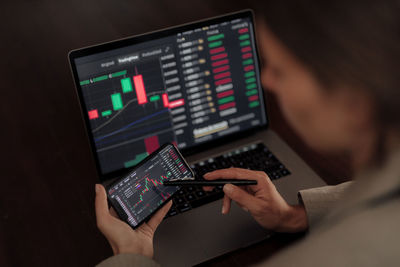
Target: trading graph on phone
142, 191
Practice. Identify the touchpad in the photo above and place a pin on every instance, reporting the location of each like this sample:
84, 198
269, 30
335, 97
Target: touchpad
204, 233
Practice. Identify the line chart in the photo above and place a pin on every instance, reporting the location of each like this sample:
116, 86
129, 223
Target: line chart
131, 124
119, 112
139, 132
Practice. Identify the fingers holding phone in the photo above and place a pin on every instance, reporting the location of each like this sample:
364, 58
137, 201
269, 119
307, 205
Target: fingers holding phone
140, 200
121, 237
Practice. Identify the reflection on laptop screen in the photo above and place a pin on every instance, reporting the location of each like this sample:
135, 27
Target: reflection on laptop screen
188, 88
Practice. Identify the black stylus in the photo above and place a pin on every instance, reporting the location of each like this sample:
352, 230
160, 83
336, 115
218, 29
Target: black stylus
210, 182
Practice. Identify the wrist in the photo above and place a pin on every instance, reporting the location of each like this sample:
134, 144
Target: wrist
135, 249
294, 220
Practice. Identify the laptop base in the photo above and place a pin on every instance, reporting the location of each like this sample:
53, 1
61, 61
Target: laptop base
204, 233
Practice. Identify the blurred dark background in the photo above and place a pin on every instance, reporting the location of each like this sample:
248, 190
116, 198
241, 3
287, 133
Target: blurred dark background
48, 176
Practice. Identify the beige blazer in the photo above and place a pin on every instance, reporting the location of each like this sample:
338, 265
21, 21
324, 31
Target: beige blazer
351, 224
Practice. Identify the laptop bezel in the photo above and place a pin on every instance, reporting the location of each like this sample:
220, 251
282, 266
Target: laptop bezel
132, 40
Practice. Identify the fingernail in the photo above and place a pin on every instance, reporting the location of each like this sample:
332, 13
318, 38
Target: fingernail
206, 175
223, 209
96, 188
228, 188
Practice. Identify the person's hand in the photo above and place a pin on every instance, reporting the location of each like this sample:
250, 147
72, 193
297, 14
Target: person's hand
263, 201
122, 238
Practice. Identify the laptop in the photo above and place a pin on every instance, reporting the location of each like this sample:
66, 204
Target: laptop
196, 85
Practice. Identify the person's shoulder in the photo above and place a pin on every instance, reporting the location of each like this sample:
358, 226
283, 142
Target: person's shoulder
367, 237
128, 260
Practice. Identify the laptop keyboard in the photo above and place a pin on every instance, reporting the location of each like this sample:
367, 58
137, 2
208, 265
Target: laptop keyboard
254, 157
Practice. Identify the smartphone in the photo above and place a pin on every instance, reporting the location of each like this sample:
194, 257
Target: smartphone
140, 193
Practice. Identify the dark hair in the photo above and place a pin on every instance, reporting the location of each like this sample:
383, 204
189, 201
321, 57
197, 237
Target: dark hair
353, 42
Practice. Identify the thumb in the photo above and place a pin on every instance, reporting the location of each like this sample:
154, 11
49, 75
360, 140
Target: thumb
159, 216
101, 206
240, 196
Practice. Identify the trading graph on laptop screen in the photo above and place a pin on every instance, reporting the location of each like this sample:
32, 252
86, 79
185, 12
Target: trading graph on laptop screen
187, 88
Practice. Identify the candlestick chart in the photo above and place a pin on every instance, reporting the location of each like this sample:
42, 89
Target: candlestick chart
142, 191
127, 114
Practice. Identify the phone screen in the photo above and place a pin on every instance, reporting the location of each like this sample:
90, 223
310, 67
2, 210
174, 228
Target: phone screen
136, 196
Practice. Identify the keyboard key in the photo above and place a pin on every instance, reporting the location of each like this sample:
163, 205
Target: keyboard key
190, 197
172, 212
182, 191
275, 175
200, 194
190, 188
179, 200
184, 207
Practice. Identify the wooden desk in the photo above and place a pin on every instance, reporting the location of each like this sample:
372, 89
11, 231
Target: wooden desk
46, 207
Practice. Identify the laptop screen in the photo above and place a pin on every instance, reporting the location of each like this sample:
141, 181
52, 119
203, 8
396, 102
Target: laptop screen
188, 85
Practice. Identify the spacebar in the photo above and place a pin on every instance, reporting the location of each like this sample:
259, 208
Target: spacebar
207, 199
